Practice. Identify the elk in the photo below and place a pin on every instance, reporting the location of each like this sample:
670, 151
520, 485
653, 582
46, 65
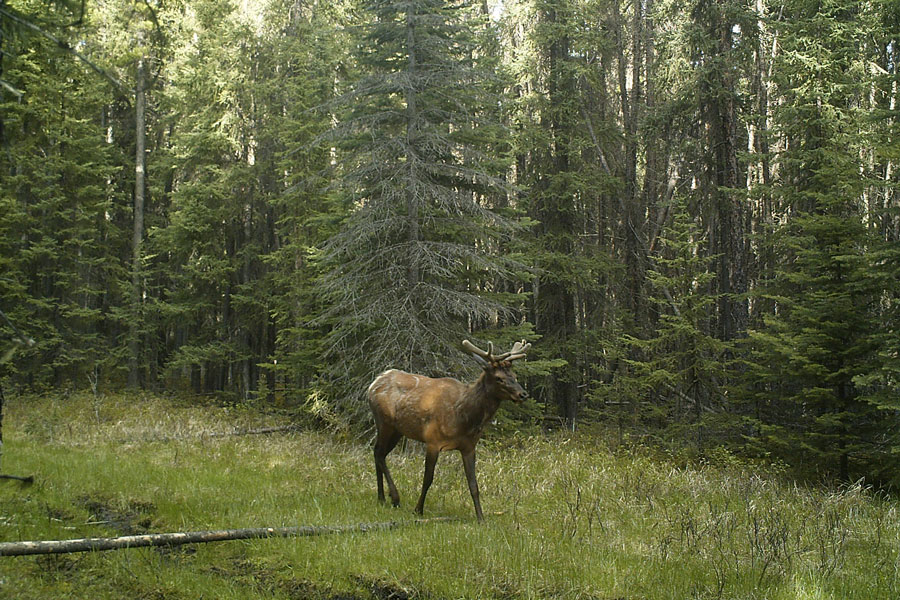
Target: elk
444, 413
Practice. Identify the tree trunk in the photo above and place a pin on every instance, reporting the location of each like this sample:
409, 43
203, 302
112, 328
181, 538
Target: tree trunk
718, 96
631, 202
412, 209
138, 229
556, 211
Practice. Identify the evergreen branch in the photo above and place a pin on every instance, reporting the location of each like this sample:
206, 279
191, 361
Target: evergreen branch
63, 45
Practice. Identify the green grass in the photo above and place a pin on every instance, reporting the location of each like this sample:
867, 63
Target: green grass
578, 520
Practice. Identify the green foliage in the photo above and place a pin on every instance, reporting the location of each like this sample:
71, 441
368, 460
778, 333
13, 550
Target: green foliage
59, 217
241, 220
552, 46
306, 215
336, 188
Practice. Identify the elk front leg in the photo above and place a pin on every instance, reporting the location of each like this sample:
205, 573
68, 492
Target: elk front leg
431, 456
468, 459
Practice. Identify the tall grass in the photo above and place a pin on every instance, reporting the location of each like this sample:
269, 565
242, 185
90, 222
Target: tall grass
578, 520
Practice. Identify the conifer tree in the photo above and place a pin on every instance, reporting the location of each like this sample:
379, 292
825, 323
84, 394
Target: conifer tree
60, 251
719, 33
818, 340
679, 370
217, 222
420, 153
306, 64
568, 174
554, 185
879, 385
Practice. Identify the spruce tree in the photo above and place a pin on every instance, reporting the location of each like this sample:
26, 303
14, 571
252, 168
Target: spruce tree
214, 235
420, 153
879, 385
818, 340
569, 178
678, 371
61, 268
305, 62
555, 184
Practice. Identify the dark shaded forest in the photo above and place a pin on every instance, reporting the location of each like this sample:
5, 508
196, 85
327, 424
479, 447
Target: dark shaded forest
688, 207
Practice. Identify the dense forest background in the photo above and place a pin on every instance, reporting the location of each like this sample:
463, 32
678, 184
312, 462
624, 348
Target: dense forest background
688, 206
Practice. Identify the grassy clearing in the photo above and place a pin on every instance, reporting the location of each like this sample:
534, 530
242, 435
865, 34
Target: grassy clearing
579, 521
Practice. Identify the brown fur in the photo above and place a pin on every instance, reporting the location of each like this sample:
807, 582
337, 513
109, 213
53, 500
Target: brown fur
443, 413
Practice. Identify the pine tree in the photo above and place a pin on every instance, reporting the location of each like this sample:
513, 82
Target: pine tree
554, 185
879, 385
60, 252
719, 33
306, 62
679, 371
569, 182
819, 339
420, 154
208, 242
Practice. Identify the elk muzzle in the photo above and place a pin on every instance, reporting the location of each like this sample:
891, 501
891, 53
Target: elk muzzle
518, 394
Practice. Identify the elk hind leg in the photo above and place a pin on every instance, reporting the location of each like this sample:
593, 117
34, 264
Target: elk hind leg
384, 443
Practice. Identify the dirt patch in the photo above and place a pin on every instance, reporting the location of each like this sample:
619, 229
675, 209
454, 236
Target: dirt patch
376, 590
132, 519
304, 590
384, 591
267, 579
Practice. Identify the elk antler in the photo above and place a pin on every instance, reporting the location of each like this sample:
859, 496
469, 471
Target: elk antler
518, 351
483, 357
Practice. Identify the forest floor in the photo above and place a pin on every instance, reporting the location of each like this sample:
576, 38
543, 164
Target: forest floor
567, 517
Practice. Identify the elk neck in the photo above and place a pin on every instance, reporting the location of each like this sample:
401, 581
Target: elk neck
479, 402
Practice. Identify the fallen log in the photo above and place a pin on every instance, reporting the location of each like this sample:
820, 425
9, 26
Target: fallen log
260, 431
216, 434
195, 537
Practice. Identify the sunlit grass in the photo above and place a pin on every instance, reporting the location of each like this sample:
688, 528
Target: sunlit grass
566, 518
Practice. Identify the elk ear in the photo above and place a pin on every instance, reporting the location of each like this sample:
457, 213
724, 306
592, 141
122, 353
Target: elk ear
483, 363
478, 354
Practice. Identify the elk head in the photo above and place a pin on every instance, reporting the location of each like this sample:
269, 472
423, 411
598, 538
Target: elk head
498, 369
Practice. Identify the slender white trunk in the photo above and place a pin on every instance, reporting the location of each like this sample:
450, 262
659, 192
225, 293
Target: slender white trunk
140, 107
